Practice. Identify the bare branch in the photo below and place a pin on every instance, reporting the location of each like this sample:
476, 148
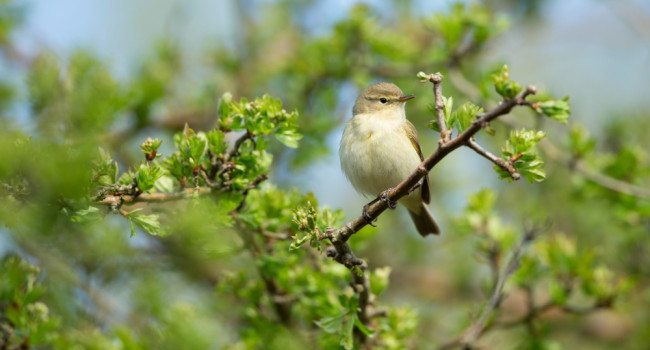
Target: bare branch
474, 331
436, 79
577, 165
153, 197
506, 166
235, 147
252, 185
553, 153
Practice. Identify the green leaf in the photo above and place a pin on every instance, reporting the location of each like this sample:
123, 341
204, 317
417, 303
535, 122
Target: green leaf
379, 280
503, 85
362, 327
87, 215
147, 176
558, 293
433, 124
216, 142
298, 242
331, 324
105, 170
196, 146
464, 116
520, 150
347, 339
132, 228
555, 109
149, 223
288, 136
580, 141
449, 104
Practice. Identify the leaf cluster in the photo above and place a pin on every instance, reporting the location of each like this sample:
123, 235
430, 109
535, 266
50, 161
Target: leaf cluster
25, 319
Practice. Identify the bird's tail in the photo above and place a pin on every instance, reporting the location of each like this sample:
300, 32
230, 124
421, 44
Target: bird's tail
424, 221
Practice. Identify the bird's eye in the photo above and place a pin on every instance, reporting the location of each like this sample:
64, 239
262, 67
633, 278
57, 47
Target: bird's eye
383, 100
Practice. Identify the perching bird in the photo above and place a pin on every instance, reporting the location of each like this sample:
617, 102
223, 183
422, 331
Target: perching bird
380, 148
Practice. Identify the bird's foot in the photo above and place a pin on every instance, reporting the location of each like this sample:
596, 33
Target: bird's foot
417, 185
364, 213
384, 197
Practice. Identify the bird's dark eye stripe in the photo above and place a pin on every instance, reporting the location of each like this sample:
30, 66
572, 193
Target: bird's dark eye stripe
383, 100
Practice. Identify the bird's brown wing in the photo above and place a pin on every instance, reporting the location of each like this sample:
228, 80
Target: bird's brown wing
412, 134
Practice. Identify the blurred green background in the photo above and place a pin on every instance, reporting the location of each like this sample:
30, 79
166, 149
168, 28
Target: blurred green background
146, 68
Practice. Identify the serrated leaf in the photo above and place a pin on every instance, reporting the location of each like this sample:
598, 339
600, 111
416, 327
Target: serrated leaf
331, 324
465, 115
347, 339
149, 223
503, 85
197, 147
216, 141
289, 137
147, 176
558, 110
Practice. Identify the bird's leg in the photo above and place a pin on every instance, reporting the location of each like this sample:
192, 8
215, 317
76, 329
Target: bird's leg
384, 197
417, 185
367, 217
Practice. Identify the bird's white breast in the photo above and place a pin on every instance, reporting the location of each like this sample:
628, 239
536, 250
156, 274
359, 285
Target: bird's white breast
376, 153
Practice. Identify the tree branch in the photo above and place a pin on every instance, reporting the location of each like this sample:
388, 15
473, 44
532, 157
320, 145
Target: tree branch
152, 197
235, 147
506, 166
608, 182
553, 153
436, 79
474, 331
281, 302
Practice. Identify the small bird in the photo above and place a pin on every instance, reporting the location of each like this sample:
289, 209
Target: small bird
380, 148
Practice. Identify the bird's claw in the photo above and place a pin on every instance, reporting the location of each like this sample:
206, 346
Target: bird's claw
384, 197
367, 217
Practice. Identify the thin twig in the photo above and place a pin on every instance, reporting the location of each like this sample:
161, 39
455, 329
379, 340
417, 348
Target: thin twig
475, 330
281, 301
577, 165
153, 197
505, 166
235, 147
445, 134
252, 185
342, 253
553, 153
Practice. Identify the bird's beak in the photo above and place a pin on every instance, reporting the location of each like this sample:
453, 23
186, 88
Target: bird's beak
405, 98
